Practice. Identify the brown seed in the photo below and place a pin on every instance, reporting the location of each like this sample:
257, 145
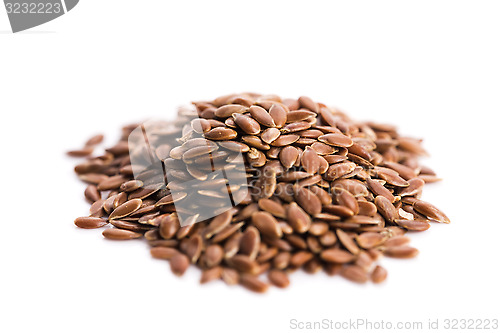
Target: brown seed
285, 140
386, 208
131, 185
368, 240
282, 260
88, 222
402, 252
378, 189
93, 178
169, 225
336, 139
262, 116
278, 278
307, 200
267, 224
288, 155
346, 199
211, 274
179, 263
92, 194
379, 274
252, 283
221, 133
243, 263
354, 274
228, 110
218, 223
250, 242
230, 276
272, 207
338, 170
213, 255
163, 252
111, 183
270, 134
413, 225
86, 151
278, 113
95, 140
298, 219
194, 246
246, 123
119, 234
431, 211
296, 116
310, 161
397, 241
298, 259
337, 256
126, 209
347, 241
308, 103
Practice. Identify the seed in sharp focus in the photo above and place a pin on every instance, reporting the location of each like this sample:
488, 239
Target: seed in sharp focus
246, 123
90, 222
221, 133
278, 113
308, 103
262, 116
270, 134
413, 225
336, 139
310, 160
288, 155
228, 110
431, 211
119, 234
386, 208
126, 209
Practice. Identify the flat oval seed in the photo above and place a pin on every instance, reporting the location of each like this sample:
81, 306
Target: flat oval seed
267, 224
120, 234
88, 222
336, 139
246, 123
278, 278
278, 113
262, 116
126, 209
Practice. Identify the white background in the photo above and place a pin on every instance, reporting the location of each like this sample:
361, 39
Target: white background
431, 67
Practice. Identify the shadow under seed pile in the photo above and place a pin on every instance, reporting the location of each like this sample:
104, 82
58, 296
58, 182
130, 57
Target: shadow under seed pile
324, 193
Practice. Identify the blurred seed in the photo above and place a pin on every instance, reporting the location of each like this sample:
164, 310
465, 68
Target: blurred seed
119, 234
